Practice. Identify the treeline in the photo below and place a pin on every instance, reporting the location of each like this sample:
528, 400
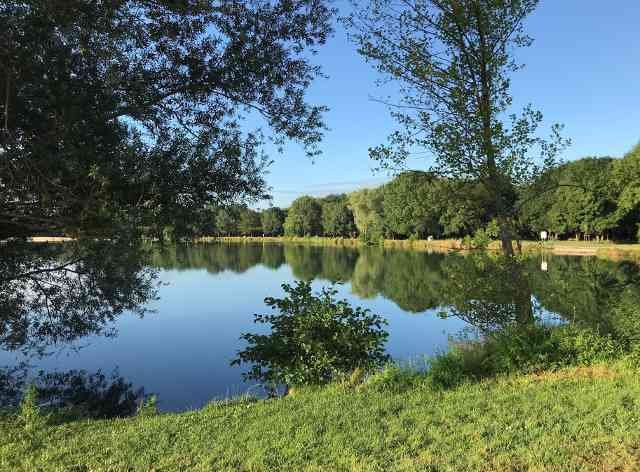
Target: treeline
591, 198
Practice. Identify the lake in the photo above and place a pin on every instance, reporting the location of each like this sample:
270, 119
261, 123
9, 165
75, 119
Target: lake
181, 349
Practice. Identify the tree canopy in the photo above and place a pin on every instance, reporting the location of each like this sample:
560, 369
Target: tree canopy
411, 205
133, 108
304, 218
337, 218
273, 221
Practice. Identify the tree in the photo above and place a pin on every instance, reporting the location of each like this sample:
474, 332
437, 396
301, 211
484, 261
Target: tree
463, 207
304, 218
412, 205
453, 59
582, 200
136, 111
367, 208
273, 221
625, 180
227, 221
249, 223
337, 218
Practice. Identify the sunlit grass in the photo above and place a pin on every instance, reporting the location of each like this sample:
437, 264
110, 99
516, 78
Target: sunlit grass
578, 418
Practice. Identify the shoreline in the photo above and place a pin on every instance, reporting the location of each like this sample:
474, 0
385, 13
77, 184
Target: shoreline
607, 250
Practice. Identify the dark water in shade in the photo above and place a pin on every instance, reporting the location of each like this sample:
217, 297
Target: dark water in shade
182, 350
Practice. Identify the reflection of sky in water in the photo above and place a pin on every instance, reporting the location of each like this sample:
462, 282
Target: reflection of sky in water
182, 351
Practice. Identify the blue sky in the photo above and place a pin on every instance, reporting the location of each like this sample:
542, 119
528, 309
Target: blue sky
583, 70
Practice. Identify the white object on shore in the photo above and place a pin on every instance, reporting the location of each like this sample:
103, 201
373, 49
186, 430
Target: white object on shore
544, 235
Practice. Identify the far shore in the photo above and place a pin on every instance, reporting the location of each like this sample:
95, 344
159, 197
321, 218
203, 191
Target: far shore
604, 249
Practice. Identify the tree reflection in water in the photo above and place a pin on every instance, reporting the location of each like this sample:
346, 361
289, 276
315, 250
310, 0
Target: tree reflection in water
82, 394
485, 290
53, 295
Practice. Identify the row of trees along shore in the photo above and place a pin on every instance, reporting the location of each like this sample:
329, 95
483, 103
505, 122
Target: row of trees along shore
589, 199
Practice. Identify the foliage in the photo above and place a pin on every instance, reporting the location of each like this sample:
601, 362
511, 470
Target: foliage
483, 236
249, 223
625, 181
272, 220
149, 407
411, 205
522, 349
587, 198
337, 218
314, 339
31, 416
226, 221
454, 61
304, 218
582, 201
464, 207
138, 110
367, 208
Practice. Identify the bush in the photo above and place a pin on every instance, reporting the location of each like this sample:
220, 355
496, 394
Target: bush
30, 415
314, 339
521, 349
148, 406
394, 378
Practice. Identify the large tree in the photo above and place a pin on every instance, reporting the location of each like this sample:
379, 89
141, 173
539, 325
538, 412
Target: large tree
272, 221
125, 115
227, 221
304, 218
581, 200
122, 105
453, 60
412, 205
367, 208
249, 223
337, 218
625, 181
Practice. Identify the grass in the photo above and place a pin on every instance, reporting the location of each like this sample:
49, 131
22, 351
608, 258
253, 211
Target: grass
545, 399
579, 418
526, 397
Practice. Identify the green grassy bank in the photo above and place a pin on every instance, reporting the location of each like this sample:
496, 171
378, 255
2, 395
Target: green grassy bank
580, 418
526, 398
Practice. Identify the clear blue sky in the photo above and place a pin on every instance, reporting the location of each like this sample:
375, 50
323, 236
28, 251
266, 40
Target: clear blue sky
583, 70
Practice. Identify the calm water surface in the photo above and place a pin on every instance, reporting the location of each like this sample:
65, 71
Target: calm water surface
182, 349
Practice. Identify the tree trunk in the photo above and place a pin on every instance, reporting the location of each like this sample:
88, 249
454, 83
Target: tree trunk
494, 179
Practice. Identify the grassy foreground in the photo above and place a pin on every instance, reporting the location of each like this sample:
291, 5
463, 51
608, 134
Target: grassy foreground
577, 418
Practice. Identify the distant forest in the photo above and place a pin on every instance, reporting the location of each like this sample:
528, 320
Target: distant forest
590, 199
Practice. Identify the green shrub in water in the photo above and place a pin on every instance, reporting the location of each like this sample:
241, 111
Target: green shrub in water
314, 339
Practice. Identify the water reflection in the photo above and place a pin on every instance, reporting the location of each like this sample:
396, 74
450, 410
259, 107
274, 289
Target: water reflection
82, 394
55, 294
484, 290
214, 289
